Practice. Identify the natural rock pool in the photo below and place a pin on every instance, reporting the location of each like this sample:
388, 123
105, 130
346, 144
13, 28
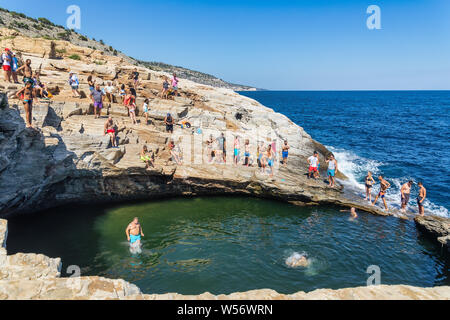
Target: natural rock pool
231, 244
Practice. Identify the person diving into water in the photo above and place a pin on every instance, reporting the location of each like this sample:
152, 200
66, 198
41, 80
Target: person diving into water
134, 233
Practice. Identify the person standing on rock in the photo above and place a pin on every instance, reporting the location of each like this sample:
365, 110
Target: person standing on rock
7, 62
168, 120
285, 152
27, 71
175, 85
369, 182
110, 129
14, 67
27, 94
91, 83
134, 232
313, 165
421, 198
405, 192
97, 98
135, 76
222, 142
146, 109
74, 84
165, 89
332, 169
384, 185
270, 159
237, 150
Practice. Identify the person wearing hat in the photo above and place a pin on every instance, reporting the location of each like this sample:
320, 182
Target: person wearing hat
7, 62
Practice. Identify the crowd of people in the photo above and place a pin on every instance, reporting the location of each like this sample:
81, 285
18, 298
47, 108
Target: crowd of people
13, 66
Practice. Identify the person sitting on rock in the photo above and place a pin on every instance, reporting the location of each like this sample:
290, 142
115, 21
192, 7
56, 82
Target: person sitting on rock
97, 99
111, 130
27, 94
109, 91
122, 93
147, 157
174, 153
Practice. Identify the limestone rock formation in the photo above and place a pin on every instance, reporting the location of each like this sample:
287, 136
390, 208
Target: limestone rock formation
436, 227
68, 159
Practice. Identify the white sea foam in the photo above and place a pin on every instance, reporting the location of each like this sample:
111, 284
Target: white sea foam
356, 167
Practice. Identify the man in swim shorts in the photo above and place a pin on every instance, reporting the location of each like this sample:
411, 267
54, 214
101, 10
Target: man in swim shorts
285, 152
421, 198
332, 168
7, 63
405, 192
134, 232
313, 165
384, 185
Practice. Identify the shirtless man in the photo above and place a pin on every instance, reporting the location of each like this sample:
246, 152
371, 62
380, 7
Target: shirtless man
27, 94
384, 185
27, 71
110, 129
285, 152
421, 198
134, 232
405, 192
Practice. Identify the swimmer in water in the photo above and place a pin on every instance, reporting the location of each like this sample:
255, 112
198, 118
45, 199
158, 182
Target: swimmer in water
297, 260
134, 233
352, 211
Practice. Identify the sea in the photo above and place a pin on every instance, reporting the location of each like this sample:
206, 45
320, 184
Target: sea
402, 135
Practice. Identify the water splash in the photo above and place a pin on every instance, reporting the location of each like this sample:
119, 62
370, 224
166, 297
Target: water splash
356, 167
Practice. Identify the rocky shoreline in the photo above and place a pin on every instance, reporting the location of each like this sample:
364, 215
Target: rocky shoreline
68, 161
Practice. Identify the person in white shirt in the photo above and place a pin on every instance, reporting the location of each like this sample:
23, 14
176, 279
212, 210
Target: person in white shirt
109, 92
7, 62
313, 165
74, 84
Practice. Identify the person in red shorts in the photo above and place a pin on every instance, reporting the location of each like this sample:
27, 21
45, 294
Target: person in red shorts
313, 165
7, 62
110, 129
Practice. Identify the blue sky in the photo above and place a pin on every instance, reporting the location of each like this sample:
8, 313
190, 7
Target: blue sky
286, 45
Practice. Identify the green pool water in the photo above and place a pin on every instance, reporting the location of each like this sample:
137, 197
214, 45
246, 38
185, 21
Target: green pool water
224, 245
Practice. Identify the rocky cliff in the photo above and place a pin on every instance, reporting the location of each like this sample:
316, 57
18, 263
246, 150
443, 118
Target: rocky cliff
68, 158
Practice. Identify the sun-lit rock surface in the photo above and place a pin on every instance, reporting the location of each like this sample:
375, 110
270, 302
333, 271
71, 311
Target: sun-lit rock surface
67, 160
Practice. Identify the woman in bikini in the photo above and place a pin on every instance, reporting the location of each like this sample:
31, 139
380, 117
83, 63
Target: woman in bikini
174, 153
369, 182
27, 94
